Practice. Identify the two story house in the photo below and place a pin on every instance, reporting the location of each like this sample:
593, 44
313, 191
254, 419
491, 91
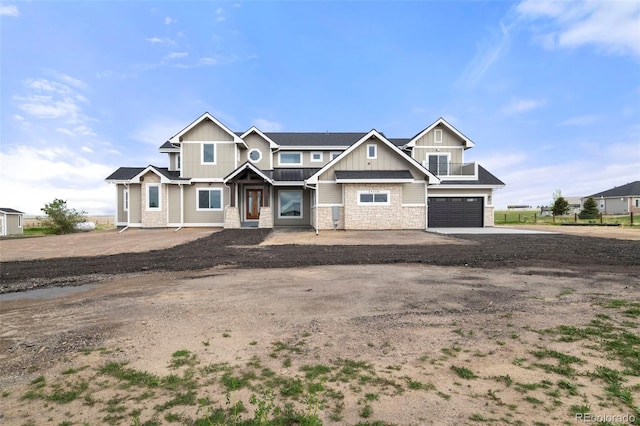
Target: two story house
220, 178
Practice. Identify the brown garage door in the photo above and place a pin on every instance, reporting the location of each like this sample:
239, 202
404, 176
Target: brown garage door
455, 212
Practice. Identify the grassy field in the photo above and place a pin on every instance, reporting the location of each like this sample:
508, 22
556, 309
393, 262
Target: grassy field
508, 217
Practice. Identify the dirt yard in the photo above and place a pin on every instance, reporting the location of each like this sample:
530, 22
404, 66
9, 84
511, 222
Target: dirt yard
498, 329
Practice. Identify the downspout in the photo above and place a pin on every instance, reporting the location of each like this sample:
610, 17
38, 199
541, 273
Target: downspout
317, 199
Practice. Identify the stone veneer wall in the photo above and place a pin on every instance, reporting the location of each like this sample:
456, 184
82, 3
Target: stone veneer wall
266, 218
153, 219
413, 217
232, 218
372, 217
488, 216
325, 218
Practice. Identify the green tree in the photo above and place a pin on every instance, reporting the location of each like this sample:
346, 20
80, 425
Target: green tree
62, 218
560, 206
589, 209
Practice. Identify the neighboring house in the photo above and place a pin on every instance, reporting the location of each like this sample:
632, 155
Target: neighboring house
575, 205
219, 178
10, 222
623, 199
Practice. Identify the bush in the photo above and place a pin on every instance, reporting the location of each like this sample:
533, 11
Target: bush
590, 209
61, 218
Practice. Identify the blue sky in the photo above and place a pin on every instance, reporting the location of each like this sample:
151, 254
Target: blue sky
548, 91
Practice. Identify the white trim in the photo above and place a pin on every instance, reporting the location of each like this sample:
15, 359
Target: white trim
374, 180
374, 193
467, 142
125, 199
176, 138
241, 169
433, 179
289, 183
375, 151
259, 155
280, 163
254, 129
436, 133
319, 160
440, 147
312, 148
148, 187
439, 154
205, 180
215, 154
301, 204
207, 209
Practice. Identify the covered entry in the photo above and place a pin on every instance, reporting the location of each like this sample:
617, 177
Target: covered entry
455, 212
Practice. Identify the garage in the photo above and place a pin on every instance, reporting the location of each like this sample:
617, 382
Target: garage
455, 212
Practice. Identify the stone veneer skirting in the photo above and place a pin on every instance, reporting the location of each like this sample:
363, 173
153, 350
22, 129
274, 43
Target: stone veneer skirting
266, 218
153, 219
232, 218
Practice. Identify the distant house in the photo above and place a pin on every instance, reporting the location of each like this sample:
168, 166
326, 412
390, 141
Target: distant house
619, 200
575, 206
10, 222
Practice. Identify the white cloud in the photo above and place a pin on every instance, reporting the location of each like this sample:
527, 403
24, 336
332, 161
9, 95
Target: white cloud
32, 177
158, 40
582, 120
266, 125
519, 106
487, 53
9, 10
611, 26
176, 55
169, 21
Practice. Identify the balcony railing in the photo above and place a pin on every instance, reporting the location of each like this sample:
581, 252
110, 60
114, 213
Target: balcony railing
453, 170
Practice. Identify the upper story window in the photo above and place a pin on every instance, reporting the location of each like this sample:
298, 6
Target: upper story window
437, 136
208, 153
316, 157
255, 155
372, 151
178, 162
438, 164
125, 200
209, 199
153, 196
334, 154
290, 158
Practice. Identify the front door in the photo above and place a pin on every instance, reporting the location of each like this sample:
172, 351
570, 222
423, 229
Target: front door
253, 203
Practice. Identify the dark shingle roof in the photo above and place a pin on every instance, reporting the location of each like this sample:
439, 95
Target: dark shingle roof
630, 189
373, 174
484, 178
315, 139
10, 211
169, 145
127, 173
399, 141
291, 175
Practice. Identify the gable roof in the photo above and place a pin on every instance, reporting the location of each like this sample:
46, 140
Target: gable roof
374, 133
630, 189
254, 129
467, 142
247, 166
133, 174
319, 139
377, 176
206, 116
8, 210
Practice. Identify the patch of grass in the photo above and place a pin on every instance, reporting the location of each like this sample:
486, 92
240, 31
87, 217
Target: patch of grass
579, 409
463, 372
181, 358
188, 398
366, 412
314, 371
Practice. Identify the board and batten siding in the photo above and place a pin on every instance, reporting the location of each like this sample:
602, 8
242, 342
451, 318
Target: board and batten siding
225, 160
207, 130
135, 203
329, 193
121, 214
174, 203
191, 213
448, 138
413, 193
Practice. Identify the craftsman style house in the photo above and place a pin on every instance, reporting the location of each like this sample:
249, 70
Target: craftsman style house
218, 178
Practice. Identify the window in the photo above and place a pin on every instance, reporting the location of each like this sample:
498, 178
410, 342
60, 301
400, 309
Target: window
290, 204
439, 164
290, 158
209, 199
178, 162
19, 221
153, 196
334, 154
208, 153
637, 202
372, 151
316, 157
255, 155
125, 200
373, 198
437, 136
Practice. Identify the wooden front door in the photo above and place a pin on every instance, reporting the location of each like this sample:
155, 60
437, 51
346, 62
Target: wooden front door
253, 203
